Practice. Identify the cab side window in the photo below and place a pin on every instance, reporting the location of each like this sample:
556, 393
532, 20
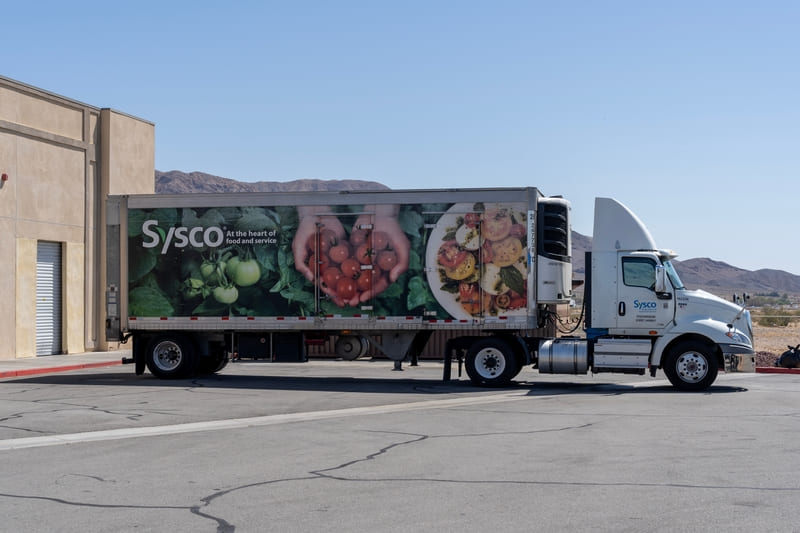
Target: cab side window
639, 272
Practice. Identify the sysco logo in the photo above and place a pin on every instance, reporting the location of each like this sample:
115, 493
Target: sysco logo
182, 236
644, 305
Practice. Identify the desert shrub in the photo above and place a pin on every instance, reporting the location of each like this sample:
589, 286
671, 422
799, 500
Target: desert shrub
774, 317
769, 299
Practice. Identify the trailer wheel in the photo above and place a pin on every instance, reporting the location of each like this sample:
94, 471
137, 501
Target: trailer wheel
170, 356
691, 366
351, 347
212, 364
491, 361
222, 362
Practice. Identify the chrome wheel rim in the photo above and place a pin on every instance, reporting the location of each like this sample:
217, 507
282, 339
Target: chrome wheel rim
167, 356
692, 367
490, 363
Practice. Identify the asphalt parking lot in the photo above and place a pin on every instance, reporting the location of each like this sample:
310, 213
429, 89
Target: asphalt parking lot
354, 446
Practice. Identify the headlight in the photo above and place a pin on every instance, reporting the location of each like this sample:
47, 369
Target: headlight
738, 337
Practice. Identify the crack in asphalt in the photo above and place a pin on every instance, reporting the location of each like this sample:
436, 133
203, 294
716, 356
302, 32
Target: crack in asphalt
128, 414
63, 501
223, 526
18, 416
327, 473
323, 473
65, 407
26, 430
84, 476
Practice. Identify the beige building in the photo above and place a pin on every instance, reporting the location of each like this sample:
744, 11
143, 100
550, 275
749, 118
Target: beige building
59, 159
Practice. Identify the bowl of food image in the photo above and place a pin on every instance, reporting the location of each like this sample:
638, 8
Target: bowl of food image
477, 260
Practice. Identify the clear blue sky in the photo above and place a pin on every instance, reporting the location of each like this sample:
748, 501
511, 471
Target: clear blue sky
686, 111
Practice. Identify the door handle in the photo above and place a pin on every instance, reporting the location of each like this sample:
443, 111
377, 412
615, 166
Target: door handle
621, 309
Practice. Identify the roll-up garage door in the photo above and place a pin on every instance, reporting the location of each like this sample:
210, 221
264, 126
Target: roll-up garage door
48, 298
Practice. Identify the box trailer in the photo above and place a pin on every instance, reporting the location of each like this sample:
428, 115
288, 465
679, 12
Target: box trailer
193, 279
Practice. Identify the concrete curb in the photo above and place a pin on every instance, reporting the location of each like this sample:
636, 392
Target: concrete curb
51, 369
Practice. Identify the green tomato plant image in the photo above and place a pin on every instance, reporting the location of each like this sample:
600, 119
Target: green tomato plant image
240, 261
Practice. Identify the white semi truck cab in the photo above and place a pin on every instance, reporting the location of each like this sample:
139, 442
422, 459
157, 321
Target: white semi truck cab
639, 315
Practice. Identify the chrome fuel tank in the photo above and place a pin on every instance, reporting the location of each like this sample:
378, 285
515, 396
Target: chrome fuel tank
563, 356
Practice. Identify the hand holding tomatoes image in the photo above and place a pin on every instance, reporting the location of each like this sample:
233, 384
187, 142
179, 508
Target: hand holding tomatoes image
315, 233
351, 269
390, 249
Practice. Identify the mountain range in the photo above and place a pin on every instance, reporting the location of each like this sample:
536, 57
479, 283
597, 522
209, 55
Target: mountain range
716, 277
176, 182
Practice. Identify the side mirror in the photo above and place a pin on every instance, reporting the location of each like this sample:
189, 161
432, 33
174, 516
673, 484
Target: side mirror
661, 279
661, 284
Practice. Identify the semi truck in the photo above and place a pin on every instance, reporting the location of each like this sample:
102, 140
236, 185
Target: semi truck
193, 279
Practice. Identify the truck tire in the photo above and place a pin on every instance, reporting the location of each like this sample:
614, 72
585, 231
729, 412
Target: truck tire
212, 364
351, 347
170, 356
691, 366
490, 361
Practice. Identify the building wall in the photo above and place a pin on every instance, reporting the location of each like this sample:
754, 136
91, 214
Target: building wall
129, 148
8, 246
61, 158
24, 311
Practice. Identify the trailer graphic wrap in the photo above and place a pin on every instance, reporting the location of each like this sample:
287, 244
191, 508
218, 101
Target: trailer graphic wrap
438, 261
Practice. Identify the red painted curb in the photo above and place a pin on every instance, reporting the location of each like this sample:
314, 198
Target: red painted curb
48, 370
776, 370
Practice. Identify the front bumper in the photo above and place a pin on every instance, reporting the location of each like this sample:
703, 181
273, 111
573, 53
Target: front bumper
739, 358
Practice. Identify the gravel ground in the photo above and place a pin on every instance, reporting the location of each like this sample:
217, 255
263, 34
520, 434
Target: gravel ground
771, 342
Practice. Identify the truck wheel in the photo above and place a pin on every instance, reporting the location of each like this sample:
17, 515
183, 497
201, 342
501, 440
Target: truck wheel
491, 361
222, 362
212, 364
351, 347
170, 356
691, 366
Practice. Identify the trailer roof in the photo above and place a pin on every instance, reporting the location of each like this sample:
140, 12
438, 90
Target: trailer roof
382, 196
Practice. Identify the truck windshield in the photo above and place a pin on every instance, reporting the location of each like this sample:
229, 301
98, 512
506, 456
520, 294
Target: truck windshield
673, 275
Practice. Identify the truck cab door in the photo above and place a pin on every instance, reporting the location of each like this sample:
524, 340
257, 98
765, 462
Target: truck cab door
640, 309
